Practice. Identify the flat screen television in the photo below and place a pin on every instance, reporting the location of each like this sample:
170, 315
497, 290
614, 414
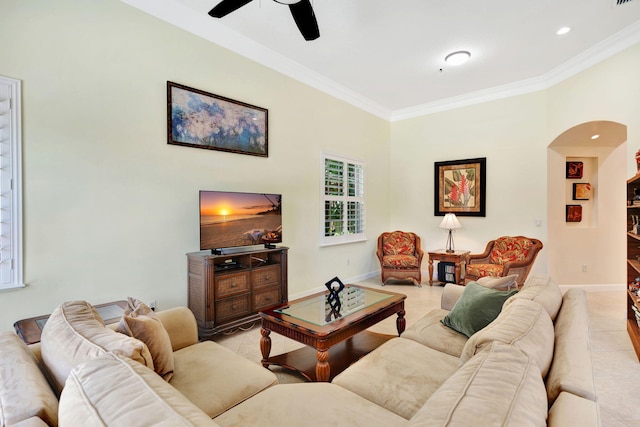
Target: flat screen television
233, 219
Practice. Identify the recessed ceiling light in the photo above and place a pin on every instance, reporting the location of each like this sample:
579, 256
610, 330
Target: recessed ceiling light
562, 31
287, 1
596, 136
457, 58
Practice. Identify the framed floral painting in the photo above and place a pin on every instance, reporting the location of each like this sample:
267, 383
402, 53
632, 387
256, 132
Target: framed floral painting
574, 170
581, 191
460, 187
203, 120
574, 213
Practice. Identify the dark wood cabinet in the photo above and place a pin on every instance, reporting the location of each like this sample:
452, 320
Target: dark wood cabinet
226, 292
633, 262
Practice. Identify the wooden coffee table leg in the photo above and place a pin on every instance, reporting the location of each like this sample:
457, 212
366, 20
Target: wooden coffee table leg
323, 370
401, 322
265, 346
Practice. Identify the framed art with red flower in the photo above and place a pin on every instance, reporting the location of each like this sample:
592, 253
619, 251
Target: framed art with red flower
460, 187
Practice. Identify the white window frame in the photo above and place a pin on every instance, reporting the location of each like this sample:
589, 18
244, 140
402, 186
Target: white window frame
345, 198
11, 258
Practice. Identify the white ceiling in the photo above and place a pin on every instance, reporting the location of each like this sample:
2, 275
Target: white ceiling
387, 56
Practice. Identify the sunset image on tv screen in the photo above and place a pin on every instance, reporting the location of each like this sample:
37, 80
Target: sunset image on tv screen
229, 219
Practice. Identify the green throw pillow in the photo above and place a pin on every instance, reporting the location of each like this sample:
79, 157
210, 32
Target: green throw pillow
477, 307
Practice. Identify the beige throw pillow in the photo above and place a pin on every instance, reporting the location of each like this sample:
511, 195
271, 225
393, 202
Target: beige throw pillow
75, 333
501, 283
140, 322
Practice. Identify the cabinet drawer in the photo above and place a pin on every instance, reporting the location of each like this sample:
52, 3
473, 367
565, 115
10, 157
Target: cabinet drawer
233, 307
266, 298
231, 284
265, 276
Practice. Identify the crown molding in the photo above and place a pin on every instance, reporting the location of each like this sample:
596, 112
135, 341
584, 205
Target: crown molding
200, 24
597, 53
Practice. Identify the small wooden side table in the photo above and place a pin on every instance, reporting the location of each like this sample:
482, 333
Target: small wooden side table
456, 257
30, 330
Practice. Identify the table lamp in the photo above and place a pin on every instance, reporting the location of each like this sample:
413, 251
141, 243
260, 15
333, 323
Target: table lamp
450, 222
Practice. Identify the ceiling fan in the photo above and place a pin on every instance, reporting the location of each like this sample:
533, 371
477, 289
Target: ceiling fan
300, 9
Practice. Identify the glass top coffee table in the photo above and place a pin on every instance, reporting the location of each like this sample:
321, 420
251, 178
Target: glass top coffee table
313, 322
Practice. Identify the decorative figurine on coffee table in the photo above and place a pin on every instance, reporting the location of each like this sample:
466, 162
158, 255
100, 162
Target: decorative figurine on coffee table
335, 286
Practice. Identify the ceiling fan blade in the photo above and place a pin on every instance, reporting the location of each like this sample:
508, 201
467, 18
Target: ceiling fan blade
225, 7
305, 19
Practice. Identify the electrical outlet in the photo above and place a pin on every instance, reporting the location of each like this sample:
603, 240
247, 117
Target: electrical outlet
152, 305
584, 268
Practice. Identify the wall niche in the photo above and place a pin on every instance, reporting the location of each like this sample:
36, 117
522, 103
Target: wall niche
581, 184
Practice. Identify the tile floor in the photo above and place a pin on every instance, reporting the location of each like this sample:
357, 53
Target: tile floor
616, 368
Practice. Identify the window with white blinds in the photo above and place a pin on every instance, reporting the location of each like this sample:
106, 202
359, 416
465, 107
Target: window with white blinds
10, 185
343, 204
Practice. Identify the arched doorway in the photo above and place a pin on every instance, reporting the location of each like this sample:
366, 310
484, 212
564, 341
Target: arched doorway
591, 250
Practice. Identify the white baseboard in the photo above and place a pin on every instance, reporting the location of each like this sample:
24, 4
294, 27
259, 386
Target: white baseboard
317, 289
613, 287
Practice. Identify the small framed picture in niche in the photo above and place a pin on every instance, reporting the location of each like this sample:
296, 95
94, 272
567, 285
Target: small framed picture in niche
581, 191
575, 170
574, 213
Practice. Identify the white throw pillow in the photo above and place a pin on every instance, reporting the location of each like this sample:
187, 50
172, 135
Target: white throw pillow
501, 283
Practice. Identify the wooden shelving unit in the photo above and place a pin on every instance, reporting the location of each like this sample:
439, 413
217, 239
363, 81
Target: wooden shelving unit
633, 264
226, 292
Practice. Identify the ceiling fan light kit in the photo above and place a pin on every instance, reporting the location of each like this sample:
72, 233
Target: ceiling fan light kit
301, 10
457, 58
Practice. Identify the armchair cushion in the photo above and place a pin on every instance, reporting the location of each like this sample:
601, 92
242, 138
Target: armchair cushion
399, 243
477, 307
482, 270
510, 249
400, 261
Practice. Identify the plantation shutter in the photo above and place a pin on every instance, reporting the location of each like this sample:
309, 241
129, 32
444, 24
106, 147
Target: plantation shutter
10, 188
343, 201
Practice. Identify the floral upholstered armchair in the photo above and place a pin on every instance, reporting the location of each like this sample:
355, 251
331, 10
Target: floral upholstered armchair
400, 256
504, 256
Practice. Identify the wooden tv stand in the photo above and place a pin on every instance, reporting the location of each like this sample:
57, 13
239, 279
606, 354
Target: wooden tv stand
227, 291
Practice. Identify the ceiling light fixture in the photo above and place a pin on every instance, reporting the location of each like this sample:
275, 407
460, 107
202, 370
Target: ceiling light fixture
596, 136
457, 58
287, 1
562, 31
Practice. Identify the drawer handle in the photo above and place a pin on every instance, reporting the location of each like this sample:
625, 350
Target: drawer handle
234, 307
267, 277
233, 284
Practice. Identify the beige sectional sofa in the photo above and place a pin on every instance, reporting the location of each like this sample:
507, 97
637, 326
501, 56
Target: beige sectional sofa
104, 378
531, 366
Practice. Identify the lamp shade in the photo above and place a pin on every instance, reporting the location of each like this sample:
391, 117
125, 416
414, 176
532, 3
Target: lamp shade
450, 222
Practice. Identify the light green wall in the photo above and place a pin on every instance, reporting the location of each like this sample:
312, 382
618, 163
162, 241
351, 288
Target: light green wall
110, 209
510, 133
513, 134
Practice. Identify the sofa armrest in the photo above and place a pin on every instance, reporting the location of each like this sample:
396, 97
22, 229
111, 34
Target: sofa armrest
180, 325
450, 295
